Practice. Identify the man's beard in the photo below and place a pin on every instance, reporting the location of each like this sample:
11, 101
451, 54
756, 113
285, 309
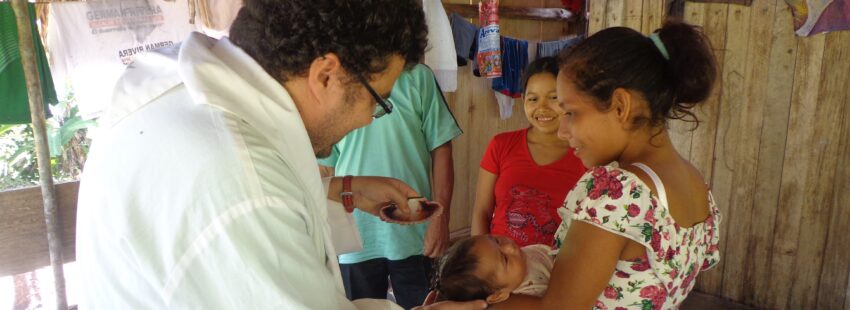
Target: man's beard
324, 153
322, 140
326, 134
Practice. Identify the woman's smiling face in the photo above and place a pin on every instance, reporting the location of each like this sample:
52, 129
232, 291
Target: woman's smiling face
540, 102
597, 137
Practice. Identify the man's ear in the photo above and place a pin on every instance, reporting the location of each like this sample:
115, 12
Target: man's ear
623, 104
499, 296
322, 72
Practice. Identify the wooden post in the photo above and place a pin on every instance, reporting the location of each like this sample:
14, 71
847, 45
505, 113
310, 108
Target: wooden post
36, 102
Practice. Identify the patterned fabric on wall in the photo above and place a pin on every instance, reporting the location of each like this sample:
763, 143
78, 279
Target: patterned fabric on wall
817, 16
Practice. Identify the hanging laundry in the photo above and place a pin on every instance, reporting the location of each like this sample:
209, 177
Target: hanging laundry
514, 61
553, 48
217, 15
489, 57
440, 53
506, 105
14, 104
574, 6
532, 50
474, 55
92, 42
464, 34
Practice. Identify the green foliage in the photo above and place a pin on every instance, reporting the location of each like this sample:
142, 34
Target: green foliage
66, 135
60, 136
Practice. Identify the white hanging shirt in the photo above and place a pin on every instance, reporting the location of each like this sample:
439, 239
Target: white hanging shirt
90, 43
440, 54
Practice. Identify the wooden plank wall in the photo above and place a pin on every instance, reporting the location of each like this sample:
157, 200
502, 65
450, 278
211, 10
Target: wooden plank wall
774, 143
23, 234
474, 106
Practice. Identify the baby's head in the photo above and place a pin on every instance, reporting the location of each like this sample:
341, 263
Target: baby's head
480, 267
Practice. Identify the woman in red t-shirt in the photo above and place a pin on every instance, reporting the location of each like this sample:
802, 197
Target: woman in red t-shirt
526, 174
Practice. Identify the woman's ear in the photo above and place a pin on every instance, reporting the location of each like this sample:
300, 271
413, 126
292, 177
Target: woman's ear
499, 296
623, 104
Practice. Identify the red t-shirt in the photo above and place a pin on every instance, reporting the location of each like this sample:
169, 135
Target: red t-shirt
527, 194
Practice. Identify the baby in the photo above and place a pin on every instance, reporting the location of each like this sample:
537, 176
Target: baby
492, 267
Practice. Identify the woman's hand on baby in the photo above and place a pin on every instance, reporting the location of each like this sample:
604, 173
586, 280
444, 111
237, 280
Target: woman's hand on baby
430, 304
455, 305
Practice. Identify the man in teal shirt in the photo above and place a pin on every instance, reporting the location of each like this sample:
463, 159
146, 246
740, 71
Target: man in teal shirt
413, 144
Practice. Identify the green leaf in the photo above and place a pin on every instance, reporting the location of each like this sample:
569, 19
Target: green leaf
58, 138
5, 128
647, 231
53, 141
646, 304
24, 149
71, 126
74, 111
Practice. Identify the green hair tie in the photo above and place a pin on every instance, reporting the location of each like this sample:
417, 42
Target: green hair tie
659, 45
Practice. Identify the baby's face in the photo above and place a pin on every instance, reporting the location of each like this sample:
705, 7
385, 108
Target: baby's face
500, 260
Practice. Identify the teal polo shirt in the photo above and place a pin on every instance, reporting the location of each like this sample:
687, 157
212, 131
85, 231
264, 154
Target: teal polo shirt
397, 145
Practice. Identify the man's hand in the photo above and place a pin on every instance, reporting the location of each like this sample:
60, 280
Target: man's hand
437, 236
373, 193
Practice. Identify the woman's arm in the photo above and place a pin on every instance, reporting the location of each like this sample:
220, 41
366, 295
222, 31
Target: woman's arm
582, 269
485, 200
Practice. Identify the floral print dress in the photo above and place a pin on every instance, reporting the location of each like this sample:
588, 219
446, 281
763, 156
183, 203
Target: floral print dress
617, 201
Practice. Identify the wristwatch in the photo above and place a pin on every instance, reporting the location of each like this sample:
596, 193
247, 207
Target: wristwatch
346, 194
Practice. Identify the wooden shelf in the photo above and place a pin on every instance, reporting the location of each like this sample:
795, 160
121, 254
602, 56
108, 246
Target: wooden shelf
741, 2
550, 14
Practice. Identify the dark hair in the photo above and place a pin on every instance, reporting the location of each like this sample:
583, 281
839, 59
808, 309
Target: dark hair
624, 58
540, 65
285, 36
456, 279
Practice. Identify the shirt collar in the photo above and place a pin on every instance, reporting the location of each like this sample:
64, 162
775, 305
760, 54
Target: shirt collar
218, 73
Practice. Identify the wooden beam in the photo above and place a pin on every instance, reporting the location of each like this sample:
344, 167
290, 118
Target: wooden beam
550, 14
23, 234
741, 2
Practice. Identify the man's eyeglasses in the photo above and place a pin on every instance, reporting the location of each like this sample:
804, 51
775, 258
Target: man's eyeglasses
384, 106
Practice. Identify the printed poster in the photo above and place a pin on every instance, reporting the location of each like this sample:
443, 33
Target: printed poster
90, 43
